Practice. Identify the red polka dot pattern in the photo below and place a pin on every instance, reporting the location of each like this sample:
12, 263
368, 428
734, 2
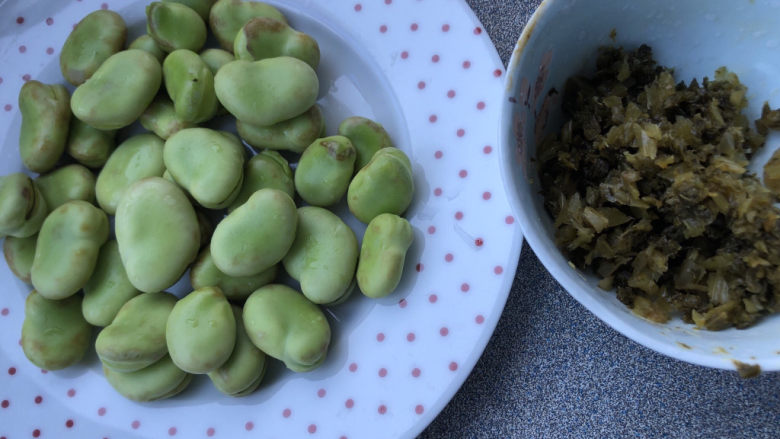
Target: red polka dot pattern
432, 53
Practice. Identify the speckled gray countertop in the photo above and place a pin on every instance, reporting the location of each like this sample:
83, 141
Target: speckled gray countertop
552, 369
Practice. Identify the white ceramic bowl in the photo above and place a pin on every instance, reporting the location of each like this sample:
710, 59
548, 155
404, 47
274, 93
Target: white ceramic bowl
429, 73
694, 37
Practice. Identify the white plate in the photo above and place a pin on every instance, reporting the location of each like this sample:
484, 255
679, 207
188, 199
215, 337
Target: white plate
429, 73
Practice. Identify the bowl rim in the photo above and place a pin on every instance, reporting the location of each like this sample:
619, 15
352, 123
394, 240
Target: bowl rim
565, 275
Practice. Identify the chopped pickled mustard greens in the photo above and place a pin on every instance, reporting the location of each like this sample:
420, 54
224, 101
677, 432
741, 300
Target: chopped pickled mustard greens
648, 186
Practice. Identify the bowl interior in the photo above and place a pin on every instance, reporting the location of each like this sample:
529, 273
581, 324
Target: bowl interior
561, 40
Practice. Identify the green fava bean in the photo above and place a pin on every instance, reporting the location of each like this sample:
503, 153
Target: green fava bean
256, 235
244, 370
264, 37
265, 170
382, 254
19, 254
161, 119
22, 206
175, 26
108, 288
201, 331
207, 163
135, 339
384, 185
324, 170
89, 146
268, 91
45, 122
97, 36
287, 326
146, 42
159, 381
54, 333
202, 7
72, 182
227, 17
367, 137
68, 246
119, 91
323, 257
293, 134
205, 274
158, 233
136, 158
216, 58
190, 84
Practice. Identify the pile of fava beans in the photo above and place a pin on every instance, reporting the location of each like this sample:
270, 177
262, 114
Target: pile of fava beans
185, 197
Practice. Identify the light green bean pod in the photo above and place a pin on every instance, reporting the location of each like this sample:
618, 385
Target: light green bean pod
97, 36
264, 37
382, 254
158, 233
119, 91
108, 288
244, 370
205, 274
202, 7
228, 16
161, 118
22, 206
67, 250
19, 254
268, 91
190, 84
136, 158
207, 163
216, 58
146, 42
45, 122
323, 257
367, 137
68, 183
135, 339
201, 331
161, 380
175, 26
54, 333
256, 235
89, 146
268, 169
325, 170
384, 185
284, 324
292, 135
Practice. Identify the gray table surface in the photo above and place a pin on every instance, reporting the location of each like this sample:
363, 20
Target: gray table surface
552, 369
